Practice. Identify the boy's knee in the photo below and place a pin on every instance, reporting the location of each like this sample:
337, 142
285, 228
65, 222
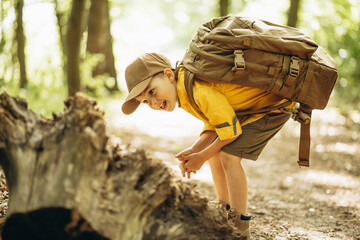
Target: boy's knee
228, 161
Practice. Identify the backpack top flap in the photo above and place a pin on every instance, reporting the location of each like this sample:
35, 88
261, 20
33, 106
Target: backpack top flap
243, 33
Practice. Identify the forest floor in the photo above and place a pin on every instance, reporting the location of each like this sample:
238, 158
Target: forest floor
286, 201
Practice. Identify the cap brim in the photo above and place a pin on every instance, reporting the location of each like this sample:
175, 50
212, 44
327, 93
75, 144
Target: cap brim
131, 103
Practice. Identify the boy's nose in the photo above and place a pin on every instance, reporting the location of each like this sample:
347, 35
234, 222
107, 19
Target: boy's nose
153, 102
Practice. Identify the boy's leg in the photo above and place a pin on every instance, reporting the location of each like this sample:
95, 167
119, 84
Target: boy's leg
238, 193
219, 179
236, 181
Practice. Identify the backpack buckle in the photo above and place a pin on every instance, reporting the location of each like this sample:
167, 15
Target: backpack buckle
294, 66
297, 114
239, 60
301, 117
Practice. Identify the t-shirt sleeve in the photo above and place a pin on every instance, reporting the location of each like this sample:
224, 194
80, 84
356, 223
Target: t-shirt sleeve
221, 116
207, 127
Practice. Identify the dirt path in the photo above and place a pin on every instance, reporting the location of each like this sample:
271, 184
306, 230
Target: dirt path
286, 201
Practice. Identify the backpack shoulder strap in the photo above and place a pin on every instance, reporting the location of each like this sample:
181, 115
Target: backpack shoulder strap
189, 83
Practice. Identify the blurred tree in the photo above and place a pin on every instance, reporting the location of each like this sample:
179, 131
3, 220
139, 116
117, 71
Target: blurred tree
2, 42
12, 44
100, 41
224, 7
73, 43
20, 40
61, 12
293, 13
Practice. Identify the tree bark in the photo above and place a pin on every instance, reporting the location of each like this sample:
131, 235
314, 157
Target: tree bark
73, 44
67, 181
293, 13
100, 40
20, 39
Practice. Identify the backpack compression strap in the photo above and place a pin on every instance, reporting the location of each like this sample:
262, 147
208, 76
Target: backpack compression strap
304, 145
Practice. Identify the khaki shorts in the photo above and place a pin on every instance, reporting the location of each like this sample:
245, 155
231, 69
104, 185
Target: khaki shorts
256, 135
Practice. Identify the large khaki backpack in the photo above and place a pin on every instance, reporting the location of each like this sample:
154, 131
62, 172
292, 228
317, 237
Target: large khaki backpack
260, 54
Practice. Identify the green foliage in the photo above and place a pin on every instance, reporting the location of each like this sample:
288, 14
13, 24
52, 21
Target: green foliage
42, 98
94, 86
335, 25
187, 15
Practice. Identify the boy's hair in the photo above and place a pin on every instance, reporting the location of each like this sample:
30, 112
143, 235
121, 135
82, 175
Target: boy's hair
138, 76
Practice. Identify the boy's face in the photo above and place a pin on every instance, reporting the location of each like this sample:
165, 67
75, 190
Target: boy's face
161, 93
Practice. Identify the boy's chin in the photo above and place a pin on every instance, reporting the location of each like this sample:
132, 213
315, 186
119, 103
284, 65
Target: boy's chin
170, 109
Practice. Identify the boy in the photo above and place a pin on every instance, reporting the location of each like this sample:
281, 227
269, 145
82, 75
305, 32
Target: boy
225, 139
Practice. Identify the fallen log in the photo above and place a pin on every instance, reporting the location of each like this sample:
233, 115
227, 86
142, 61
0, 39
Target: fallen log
68, 181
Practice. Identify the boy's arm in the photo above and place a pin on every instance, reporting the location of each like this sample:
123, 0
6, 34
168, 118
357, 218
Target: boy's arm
214, 148
192, 161
203, 141
196, 160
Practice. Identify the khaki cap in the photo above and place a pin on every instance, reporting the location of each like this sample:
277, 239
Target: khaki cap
138, 76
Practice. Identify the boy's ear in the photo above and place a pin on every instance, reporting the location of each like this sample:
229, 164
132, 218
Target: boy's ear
169, 74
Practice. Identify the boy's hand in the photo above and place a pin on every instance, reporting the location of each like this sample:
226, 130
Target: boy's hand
183, 171
181, 157
190, 162
184, 153
193, 162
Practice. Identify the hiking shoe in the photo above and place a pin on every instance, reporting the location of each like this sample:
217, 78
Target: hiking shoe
240, 222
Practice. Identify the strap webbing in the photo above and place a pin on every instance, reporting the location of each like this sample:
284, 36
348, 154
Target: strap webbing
263, 110
304, 145
189, 83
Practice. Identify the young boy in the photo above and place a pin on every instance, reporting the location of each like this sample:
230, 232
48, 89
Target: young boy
225, 139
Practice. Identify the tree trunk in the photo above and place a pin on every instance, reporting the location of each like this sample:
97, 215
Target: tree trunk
61, 23
20, 39
224, 7
67, 181
73, 44
100, 40
293, 13
2, 42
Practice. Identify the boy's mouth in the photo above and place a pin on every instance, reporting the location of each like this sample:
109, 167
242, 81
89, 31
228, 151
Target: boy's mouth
163, 105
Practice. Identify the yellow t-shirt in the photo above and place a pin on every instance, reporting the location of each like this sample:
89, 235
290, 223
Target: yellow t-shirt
218, 103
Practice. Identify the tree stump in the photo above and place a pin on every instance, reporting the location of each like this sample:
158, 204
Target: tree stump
68, 181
